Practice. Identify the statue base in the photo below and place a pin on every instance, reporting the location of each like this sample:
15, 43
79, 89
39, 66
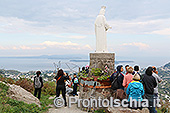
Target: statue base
101, 60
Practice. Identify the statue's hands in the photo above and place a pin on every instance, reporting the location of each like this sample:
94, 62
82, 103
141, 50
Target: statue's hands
110, 27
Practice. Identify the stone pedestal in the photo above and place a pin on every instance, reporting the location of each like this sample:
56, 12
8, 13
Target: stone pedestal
100, 60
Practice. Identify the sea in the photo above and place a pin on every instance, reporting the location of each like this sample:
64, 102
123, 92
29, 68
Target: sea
34, 64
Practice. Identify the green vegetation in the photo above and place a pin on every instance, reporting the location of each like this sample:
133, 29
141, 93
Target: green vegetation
8, 105
96, 71
103, 77
100, 111
49, 88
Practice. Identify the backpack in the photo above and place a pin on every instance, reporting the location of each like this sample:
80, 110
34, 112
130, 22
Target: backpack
37, 82
120, 94
76, 80
114, 84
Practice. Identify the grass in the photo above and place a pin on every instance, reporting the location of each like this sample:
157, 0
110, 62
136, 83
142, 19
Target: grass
8, 105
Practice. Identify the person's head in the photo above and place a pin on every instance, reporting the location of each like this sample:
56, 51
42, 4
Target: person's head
130, 69
126, 67
83, 68
38, 73
136, 68
87, 66
75, 75
60, 72
154, 69
149, 71
119, 68
136, 77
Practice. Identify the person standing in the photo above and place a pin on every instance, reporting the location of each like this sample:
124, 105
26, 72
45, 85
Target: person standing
75, 83
135, 90
136, 70
60, 82
119, 76
149, 83
158, 80
126, 67
128, 78
38, 84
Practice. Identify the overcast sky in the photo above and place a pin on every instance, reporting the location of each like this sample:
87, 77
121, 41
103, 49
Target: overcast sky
52, 27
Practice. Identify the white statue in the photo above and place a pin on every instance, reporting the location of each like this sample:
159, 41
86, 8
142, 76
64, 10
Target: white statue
101, 27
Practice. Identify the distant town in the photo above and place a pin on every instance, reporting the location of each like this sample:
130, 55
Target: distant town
48, 75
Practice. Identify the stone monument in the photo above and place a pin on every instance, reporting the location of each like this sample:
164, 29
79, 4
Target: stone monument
102, 58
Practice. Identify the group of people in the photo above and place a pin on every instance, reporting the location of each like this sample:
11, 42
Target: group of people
137, 86
61, 79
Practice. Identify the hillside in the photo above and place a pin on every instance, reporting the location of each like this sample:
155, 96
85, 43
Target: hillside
167, 65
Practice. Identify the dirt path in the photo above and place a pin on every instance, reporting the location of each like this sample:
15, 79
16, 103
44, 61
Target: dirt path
72, 109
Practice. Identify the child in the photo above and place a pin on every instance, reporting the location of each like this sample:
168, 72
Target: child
75, 83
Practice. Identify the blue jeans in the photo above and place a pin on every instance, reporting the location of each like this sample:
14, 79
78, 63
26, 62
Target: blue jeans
150, 98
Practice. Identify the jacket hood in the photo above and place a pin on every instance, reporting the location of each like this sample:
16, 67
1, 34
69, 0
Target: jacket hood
136, 85
149, 71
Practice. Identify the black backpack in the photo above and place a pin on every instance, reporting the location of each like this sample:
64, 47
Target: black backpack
114, 84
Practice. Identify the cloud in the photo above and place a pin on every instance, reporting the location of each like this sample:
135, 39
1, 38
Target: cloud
23, 47
50, 43
140, 45
165, 31
30, 48
66, 45
47, 45
77, 37
141, 25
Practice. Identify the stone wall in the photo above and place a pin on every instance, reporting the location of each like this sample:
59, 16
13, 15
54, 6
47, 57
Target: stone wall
100, 60
87, 93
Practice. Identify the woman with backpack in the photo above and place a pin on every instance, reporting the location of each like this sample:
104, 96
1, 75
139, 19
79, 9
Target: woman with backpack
116, 83
38, 84
60, 82
117, 78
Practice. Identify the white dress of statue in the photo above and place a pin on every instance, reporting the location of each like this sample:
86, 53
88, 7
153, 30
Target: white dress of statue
101, 27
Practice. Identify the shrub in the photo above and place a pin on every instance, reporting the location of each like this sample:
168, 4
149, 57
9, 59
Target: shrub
96, 71
26, 84
49, 88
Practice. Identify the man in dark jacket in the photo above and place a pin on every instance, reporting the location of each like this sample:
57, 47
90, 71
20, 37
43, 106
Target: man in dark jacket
119, 78
38, 84
149, 83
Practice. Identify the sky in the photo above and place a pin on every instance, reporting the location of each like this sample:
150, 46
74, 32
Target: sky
140, 28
